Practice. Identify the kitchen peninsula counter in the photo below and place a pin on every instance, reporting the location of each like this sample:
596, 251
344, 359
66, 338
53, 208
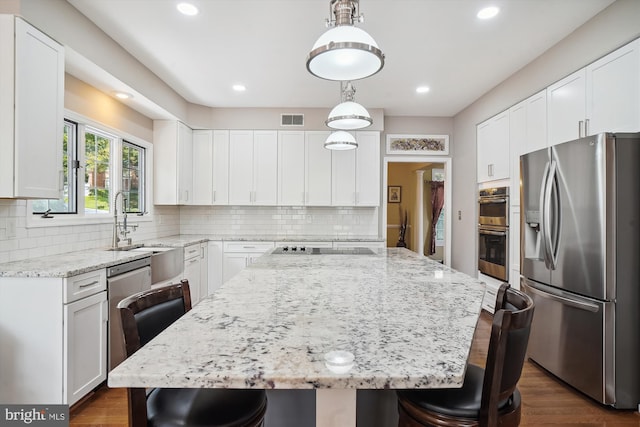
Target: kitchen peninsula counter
408, 321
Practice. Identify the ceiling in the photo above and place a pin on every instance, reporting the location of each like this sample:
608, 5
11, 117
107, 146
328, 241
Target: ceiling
263, 45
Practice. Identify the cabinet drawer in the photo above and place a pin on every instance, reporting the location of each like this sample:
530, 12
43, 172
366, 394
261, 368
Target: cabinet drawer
248, 247
192, 251
83, 285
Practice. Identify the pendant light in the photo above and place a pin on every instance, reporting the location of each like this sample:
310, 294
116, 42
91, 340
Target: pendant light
348, 115
340, 140
345, 52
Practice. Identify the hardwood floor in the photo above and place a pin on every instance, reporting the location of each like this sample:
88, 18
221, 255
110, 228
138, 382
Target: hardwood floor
545, 400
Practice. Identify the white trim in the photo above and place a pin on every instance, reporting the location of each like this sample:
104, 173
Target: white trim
61, 220
447, 194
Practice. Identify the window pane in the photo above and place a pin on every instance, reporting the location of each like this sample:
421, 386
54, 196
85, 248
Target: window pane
96, 181
133, 176
67, 204
440, 229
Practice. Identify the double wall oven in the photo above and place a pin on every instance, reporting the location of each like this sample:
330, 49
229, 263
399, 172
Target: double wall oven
493, 232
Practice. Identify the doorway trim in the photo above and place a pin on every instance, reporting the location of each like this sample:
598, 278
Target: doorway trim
447, 194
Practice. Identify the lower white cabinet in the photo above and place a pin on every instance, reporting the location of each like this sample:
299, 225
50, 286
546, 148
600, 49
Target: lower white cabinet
490, 293
54, 338
196, 271
214, 253
239, 255
85, 343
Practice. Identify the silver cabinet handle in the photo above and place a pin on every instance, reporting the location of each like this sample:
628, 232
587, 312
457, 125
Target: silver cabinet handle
86, 285
580, 128
586, 127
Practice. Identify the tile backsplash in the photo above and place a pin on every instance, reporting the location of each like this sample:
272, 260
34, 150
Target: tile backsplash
18, 241
280, 221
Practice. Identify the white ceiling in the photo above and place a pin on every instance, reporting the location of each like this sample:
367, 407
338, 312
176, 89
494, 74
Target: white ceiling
263, 44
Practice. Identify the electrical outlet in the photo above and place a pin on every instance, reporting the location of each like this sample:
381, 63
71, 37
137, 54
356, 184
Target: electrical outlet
11, 227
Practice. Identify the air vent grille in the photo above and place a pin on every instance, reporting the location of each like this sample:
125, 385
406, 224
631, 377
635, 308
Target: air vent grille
292, 120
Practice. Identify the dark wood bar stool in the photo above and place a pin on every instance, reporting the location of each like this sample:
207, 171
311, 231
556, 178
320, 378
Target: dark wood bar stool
489, 397
145, 315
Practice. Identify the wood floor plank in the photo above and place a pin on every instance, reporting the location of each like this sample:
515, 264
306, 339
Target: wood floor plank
546, 401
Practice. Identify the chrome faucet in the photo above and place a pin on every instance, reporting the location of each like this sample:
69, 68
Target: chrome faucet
124, 230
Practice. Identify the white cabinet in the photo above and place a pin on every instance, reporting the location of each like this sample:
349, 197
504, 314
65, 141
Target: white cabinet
173, 163
56, 351
490, 293
202, 167
31, 111
210, 167
239, 255
493, 148
355, 174
613, 91
196, 271
214, 253
317, 165
566, 108
253, 167
85, 338
291, 168
604, 96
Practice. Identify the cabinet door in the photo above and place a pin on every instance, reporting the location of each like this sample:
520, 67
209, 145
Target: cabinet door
343, 177
220, 167
215, 266
493, 148
291, 168
240, 167
85, 344
368, 169
234, 263
536, 137
192, 274
204, 270
613, 91
566, 108
202, 167
39, 97
265, 167
517, 138
317, 169
483, 138
185, 164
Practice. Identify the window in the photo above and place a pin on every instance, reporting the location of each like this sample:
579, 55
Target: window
133, 176
440, 229
67, 204
97, 146
97, 163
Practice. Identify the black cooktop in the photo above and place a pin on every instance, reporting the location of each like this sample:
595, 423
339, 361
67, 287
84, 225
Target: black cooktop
303, 250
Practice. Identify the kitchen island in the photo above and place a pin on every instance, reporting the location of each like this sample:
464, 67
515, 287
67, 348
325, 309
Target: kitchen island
408, 322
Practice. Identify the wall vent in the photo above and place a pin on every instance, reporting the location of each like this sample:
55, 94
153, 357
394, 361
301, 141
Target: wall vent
291, 119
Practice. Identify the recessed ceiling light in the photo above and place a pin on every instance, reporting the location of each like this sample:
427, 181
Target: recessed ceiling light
488, 12
123, 95
422, 89
187, 9
239, 88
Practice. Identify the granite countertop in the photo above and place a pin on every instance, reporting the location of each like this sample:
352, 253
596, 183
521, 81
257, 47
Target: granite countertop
408, 321
74, 263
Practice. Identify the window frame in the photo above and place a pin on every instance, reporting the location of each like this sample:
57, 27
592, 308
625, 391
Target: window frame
79, 218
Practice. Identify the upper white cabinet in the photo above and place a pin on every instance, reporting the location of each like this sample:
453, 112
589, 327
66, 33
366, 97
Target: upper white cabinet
355, 174
253, 167
613, 91
31, 111
317, 166
493, 148
602, 97
527, 133
291, 168
210, 167
173, 163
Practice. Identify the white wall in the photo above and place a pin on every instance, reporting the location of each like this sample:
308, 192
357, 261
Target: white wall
612, 28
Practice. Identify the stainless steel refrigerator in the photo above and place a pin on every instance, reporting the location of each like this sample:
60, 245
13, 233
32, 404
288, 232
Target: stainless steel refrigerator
580, 261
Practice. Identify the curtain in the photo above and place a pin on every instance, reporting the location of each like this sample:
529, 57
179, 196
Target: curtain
437, 202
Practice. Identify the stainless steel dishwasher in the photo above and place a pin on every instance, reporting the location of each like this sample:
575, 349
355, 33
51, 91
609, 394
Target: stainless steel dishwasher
123, 280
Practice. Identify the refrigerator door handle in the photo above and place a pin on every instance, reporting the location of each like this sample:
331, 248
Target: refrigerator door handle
564, 300
543, 225
550, 259
552, 184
